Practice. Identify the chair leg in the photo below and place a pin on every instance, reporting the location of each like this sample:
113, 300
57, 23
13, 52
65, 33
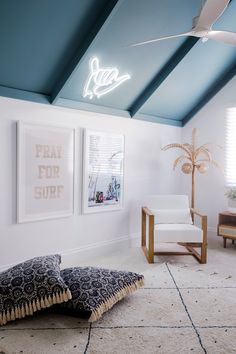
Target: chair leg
204, 243
151, 240
148, 251
204, 253
143, 228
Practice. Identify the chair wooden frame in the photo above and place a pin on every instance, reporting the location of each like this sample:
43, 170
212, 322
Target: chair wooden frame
149, 251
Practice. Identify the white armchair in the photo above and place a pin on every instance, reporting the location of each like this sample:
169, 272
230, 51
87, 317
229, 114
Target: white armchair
168, 219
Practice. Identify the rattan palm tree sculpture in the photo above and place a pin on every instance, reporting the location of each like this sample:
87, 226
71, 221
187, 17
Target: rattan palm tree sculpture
199, 158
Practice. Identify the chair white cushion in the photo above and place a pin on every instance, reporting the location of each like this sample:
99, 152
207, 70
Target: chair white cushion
177, 233
172, 216
166, 201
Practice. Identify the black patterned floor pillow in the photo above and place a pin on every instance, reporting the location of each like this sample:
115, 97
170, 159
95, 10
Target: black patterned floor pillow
31, 286
96, 290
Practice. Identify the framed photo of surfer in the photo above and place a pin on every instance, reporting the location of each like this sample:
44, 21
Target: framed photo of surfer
103, 171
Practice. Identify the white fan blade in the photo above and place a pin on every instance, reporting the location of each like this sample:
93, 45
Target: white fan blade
210, 13
162, 38
223, 36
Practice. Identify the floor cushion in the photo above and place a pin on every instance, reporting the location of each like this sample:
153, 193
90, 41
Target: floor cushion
96, 290
31, 286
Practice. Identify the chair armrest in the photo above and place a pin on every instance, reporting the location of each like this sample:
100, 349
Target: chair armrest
149, 251
196, 212
203, 222
147, 211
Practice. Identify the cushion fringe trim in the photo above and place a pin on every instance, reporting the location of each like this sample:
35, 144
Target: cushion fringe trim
113, 299
28, 308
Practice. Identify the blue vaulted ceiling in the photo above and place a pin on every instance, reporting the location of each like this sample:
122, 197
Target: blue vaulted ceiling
46, 47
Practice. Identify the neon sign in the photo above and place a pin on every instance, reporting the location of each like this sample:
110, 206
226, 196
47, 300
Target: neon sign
102, 80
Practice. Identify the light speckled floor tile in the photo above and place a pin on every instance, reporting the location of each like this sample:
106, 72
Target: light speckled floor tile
66, 341
45, 319
140, 341
157, 276
199, 275
219, 340
147, 307
211, 307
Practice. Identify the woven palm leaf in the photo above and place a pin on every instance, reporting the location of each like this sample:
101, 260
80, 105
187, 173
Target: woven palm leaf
176, 145
180, 159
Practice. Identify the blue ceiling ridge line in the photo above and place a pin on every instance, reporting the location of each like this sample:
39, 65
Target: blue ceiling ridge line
158, 115
84, 106
211, 92
81, 50
19, 94
175, 59
158, 119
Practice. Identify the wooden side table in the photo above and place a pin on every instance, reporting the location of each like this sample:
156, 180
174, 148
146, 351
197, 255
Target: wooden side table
227, 226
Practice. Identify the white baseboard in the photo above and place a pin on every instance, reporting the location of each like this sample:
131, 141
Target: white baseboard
72, 257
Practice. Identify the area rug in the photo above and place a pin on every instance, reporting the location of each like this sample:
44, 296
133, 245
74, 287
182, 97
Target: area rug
183, 308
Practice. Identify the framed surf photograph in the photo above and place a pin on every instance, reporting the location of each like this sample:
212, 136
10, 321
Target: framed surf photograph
103, 171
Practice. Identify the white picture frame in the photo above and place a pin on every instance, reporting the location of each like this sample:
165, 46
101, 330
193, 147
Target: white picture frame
45, 172
103, 171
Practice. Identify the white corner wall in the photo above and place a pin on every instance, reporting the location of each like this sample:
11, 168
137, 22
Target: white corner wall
147, 171
210, 125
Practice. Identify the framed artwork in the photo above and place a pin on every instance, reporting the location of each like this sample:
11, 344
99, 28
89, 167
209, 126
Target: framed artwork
45, 172
103, 184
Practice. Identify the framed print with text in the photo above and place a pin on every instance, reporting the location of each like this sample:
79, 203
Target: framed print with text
45, 172
103, 167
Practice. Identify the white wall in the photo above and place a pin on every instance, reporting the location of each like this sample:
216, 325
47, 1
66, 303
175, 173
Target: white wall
210, 124
147, 170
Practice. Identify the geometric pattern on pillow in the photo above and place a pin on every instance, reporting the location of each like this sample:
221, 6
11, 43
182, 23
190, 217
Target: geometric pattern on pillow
96, 290
31, 286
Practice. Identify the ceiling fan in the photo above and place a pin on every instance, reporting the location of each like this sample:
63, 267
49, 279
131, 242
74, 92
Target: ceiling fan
202, 25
